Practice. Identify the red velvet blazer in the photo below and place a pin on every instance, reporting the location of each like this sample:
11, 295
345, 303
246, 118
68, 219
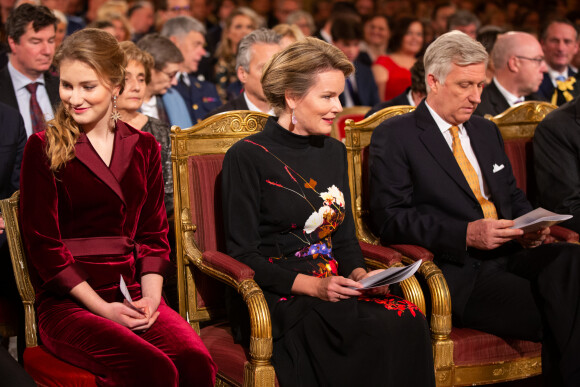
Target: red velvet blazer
92, 222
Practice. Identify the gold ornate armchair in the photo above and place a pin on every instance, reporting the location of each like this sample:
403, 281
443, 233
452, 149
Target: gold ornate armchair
197, 155
355, 113
517, 126
461, 356
45, 369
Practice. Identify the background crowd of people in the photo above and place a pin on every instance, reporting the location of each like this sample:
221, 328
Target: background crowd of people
187, 60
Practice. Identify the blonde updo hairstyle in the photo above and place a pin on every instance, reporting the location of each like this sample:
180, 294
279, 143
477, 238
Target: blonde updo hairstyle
100, 51
295, 68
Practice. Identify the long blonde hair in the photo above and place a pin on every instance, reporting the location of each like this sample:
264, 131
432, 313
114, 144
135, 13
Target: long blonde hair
99, 50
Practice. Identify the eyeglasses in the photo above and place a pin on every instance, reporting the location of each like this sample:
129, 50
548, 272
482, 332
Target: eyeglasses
170, 75
537, 60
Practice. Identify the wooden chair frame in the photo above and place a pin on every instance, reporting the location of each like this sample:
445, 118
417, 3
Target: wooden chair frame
9, 209
358, 136
216, 135
362, 110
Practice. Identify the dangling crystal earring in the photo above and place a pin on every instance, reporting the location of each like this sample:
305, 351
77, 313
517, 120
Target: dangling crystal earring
294, 120
115, 115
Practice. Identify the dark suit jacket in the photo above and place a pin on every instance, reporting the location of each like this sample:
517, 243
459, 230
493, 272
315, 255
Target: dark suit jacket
493, 102
557, 162
399, 100
8, 96
239, 103
200, 98
366, 85
546, 89
418, 194
12, 142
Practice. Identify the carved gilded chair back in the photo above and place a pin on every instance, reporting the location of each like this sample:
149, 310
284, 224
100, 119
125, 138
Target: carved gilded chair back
356, 113
9, 209
358, 139
212, 137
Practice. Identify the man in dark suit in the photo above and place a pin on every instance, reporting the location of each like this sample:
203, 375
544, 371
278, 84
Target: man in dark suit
25, 82
557, 162
12, 141
360, 88
519, 67
412, 96
559, 42
254, 51
200, 96
441, 179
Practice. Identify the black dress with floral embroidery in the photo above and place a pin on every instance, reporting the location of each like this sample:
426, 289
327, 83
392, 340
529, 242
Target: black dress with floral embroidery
286, 205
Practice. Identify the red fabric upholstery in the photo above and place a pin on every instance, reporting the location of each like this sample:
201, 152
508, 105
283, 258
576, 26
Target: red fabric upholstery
47, 370
380, 253
472, 347
229, 357
341, 121
520, 154
414, 252
229, 265
206, 213
564, 234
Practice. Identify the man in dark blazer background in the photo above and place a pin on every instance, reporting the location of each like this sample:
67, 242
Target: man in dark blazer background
360, 88
31, 31
200, 96
254, 51
502, 280
559, 42
519, 66
557, 162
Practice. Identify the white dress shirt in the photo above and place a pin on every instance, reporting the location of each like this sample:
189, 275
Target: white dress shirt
465, 144
254, 108
149, 108
509, 97
20, 81
555, 74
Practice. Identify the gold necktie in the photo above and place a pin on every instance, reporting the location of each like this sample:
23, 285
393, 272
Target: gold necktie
470, 175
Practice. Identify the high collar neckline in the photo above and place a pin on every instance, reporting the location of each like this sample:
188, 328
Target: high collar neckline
285, 137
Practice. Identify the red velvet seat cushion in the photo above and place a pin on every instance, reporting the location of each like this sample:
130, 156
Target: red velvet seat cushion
229, 357
47, 370
341, 124
472, 347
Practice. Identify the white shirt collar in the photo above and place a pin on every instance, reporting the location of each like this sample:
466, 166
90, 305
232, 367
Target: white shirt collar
509, 97
410, 98
441, 123
20, 80
254, 108
555, 74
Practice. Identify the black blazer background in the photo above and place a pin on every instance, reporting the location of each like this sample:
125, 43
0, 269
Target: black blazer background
8, 96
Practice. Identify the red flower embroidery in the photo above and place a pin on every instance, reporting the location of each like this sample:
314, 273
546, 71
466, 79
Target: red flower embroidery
400, 305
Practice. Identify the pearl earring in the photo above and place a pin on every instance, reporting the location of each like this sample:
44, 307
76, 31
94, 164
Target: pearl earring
115, 115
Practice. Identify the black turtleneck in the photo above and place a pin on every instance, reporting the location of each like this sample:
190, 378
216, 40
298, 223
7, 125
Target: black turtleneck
267, 199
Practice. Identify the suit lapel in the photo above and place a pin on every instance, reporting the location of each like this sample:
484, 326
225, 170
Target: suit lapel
497, 99
51, 84
123, 148
125, 142
435, 143
8, 96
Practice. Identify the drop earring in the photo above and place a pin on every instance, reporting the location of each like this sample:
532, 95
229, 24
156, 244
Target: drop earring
294, 120
115, 115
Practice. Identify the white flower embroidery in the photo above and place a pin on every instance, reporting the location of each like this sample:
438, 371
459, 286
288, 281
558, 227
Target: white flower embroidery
316, 219
337, 195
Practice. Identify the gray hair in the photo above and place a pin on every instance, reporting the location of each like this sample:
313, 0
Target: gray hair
462, 18
297, 15
180, 26
262, 35
452, 47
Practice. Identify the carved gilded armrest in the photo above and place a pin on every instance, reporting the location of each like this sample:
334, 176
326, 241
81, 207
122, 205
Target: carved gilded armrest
239, 276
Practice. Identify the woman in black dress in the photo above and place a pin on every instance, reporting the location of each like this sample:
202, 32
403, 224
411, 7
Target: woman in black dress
287, 215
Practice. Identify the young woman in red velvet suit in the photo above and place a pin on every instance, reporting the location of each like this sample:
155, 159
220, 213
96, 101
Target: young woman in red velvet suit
92, 211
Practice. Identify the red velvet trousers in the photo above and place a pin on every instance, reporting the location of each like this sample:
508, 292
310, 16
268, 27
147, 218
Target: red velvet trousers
170, 353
